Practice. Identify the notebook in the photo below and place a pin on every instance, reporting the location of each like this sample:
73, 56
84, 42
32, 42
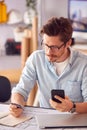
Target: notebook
61, 120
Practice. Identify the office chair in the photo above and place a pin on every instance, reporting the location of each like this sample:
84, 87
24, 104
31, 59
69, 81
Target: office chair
5, 89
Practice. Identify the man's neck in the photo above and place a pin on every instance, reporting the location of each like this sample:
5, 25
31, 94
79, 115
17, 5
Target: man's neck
64, 56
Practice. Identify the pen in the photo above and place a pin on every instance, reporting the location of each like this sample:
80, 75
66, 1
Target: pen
17, 105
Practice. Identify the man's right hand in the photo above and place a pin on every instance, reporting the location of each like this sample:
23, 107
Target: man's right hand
15, 110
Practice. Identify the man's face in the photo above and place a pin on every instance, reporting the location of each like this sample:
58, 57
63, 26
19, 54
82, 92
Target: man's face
55, 49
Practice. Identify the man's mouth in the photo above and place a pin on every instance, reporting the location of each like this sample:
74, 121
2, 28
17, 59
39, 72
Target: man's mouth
51, 56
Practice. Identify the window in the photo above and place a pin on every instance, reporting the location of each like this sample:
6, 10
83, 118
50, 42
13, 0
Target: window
77, 13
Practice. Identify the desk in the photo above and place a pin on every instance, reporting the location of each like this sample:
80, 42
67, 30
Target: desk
30, 124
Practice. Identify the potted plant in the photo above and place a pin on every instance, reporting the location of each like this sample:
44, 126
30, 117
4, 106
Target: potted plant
31, 11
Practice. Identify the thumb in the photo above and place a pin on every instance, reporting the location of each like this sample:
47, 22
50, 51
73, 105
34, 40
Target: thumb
66, 97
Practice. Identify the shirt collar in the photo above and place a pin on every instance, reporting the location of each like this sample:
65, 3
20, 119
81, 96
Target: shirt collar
73, 53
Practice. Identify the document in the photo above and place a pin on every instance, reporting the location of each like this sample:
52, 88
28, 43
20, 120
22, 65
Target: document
3, 114
10, 120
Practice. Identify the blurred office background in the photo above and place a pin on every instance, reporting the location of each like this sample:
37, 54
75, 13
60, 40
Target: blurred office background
12, 31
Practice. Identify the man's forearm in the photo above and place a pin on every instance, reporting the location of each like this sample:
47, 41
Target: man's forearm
81, 107
17, 98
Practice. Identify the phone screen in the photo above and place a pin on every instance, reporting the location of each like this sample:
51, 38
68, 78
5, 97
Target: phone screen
57, 92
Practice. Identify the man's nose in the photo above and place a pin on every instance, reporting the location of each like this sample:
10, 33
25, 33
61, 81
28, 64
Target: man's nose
49, 50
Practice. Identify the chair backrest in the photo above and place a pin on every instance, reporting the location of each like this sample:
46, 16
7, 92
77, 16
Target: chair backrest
5, 89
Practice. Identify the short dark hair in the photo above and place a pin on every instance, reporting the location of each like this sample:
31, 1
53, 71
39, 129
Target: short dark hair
58, 27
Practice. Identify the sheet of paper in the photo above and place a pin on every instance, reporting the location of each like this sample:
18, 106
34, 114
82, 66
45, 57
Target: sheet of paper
3, 114
4, 107
35, 111
12, 121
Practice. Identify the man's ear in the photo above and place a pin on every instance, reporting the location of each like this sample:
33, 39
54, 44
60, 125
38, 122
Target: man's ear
69, 43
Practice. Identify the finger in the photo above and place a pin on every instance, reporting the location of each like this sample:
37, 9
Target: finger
17, 105
58, 106
13, 106
54, 104
59, 98
66, 97
16, 112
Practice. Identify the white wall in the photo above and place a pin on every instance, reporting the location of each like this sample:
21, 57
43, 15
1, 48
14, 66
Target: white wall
51, 8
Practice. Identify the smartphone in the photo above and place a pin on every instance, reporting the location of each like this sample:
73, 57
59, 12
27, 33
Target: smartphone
58, 92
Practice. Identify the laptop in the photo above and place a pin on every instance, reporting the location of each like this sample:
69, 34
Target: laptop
61, 120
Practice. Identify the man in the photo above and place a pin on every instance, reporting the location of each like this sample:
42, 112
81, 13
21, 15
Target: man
57, 66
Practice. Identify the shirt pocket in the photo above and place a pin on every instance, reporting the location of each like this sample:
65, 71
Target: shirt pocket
74, 90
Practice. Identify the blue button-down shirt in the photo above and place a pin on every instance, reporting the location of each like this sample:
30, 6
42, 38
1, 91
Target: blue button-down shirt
73, 79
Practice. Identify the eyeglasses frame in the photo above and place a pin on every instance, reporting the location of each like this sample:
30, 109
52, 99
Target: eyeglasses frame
53, 46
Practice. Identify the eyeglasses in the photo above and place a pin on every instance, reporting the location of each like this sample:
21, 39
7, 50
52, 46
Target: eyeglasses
53, 48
